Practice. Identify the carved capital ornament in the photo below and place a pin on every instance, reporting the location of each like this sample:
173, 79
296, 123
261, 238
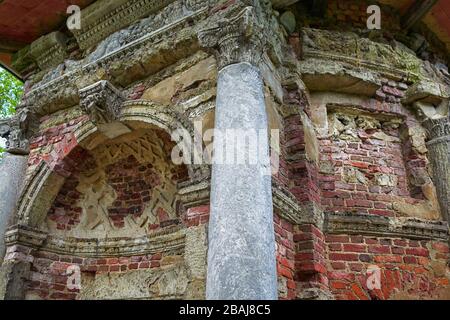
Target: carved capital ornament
101, 101
234, 40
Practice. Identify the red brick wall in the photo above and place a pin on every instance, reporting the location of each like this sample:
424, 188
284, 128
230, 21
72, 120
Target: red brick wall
406, 267
284, 237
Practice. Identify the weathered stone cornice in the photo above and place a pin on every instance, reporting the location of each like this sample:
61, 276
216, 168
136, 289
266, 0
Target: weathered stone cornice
105, 17
63, 92
289, 209
49, 50
426, 92
341, 53
363, 224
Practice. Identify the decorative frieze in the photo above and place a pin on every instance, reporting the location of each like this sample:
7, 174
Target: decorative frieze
103, 18
63, 92
102, 102
194, 5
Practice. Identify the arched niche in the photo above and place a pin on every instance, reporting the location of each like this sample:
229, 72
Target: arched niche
141, 133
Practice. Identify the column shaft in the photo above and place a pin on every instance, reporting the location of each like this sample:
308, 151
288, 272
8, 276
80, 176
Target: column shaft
241, 254
12, 171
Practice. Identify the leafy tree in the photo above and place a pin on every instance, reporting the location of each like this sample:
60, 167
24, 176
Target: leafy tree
11, 90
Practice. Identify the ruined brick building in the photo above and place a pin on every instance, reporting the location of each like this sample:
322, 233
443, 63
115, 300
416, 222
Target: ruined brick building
89, 192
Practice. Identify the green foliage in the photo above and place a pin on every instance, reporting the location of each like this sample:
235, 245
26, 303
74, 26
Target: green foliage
11, 90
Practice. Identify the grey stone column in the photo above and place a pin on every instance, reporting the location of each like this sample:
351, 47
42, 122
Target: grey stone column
439, 155
12, 173
241, 248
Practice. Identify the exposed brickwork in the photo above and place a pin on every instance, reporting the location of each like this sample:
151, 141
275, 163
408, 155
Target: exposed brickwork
133, 183
65, 212
310, 264
372, 158
284, 236
405, 267
302, 173
50, 274
196, 216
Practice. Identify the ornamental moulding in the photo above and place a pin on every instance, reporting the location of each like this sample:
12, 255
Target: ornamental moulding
166, 240
100, 20
63, 91
49, 50
412, 228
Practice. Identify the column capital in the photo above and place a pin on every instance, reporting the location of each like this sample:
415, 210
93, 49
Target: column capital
437, 128
18, 129
236, 39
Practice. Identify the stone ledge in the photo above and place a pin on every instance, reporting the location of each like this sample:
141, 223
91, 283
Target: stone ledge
162, 241
426, 92
194, 194
20, 234
363, 224
290, 210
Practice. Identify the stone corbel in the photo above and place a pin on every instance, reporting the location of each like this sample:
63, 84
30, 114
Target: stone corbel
102, 102
234, 40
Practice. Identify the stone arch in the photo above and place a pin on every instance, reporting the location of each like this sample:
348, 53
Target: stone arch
47, 178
